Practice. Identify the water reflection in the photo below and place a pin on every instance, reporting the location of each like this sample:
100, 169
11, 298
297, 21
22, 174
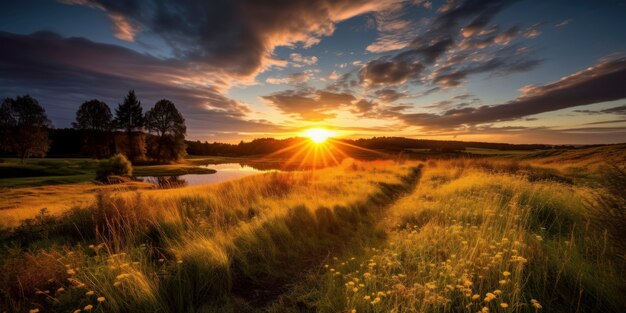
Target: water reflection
225, 172
165, 181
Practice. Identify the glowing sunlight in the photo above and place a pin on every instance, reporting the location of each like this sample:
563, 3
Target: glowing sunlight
318, 135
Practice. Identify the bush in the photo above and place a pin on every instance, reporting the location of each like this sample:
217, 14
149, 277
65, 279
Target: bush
117, 165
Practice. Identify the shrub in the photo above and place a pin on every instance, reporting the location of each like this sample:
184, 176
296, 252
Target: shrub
117, 165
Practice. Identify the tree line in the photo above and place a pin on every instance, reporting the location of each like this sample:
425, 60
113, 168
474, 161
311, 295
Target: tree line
25, 128
262, 146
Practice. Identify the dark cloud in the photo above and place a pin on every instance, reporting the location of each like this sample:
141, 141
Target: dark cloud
310, 104
618, 110
480, 12
389, 94
365, 106
236, 36
607, 122
501, 64
64, 72
463, 37
602, 82
389, 72
428, 53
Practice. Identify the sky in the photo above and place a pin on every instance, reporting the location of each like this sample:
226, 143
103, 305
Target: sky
525, 71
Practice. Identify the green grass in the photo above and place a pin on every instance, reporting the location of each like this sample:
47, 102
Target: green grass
42, 172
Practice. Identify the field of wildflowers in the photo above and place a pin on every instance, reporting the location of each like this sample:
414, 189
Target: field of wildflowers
378, 236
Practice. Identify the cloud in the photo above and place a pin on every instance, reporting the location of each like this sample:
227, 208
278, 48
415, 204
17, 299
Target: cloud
394, 32
459, 42
618, 110
507, 36
389, 94
564, 23
428, 53
599, 83
292, 79
384, 71
123, 28
64, 72
238, 36
310, 104
500, 64
365, 106
299, 61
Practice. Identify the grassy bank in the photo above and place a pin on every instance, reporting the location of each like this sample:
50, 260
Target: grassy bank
44, 172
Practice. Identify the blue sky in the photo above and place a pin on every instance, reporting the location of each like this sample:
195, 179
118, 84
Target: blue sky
246, 69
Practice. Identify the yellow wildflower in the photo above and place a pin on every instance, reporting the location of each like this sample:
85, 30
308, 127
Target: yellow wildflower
504, 305
101, 299
88, 307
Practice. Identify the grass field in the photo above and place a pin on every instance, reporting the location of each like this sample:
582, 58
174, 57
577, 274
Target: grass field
458, 235
45, 172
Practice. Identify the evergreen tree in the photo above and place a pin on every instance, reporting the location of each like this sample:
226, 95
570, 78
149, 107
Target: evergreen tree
129, 118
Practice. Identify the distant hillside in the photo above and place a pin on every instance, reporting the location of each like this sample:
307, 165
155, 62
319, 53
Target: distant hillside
581, 157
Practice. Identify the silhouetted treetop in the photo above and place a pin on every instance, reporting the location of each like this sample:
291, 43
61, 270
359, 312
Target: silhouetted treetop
24, 127
169, 126
93, 115
165, 119
129, 114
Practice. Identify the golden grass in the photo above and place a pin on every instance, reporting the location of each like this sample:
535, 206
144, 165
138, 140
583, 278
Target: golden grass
473, 236
17, 204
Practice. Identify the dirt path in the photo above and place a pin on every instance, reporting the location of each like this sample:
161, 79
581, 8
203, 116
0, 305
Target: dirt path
352, 225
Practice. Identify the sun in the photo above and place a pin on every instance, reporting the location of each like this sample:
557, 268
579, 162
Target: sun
318, 135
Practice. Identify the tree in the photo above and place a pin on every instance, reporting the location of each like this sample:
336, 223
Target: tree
95, 121
24, 127
166, 122
129, 117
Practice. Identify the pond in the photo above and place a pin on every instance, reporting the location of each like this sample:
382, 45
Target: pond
225, 172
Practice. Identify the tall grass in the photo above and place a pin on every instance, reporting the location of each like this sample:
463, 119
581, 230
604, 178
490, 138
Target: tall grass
199, 248
471, 236
476, 238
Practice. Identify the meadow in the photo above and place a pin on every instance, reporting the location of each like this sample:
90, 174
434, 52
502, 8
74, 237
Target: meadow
516, 233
